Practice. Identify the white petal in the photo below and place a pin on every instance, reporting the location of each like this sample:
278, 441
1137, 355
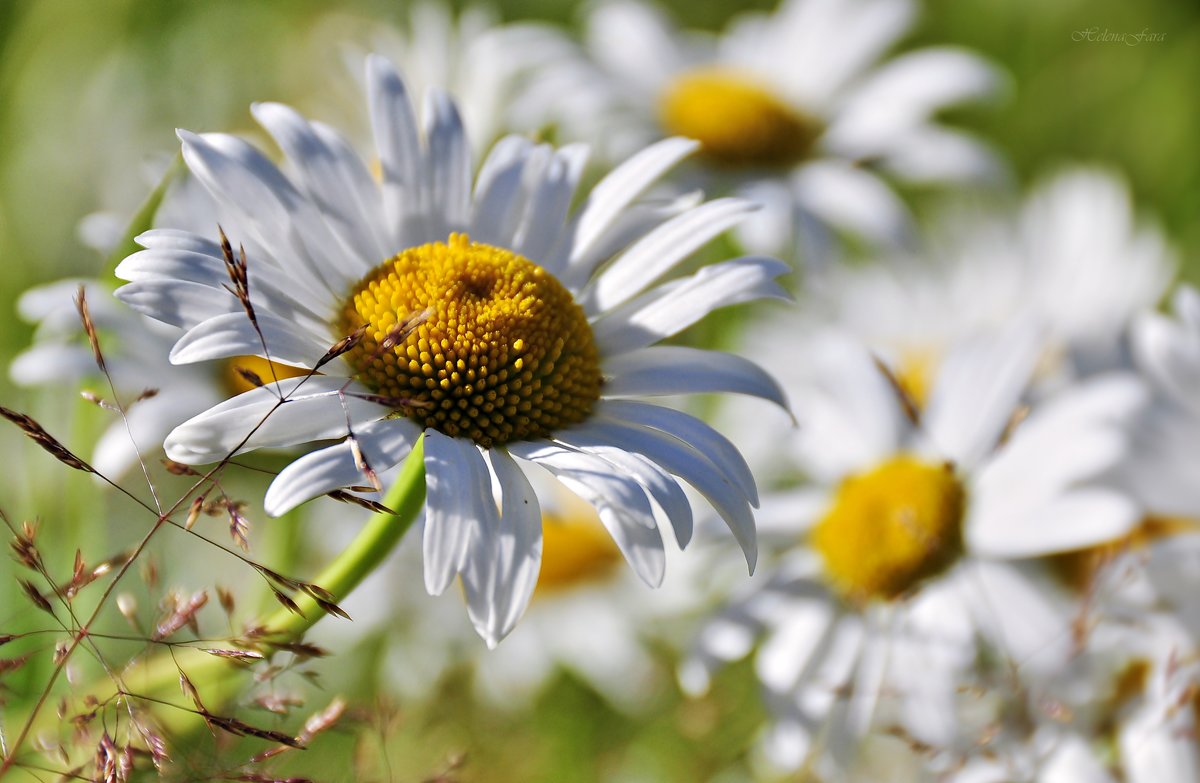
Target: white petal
905, 93
177, 302
504, 575
499, 193
656, 253
276, 215
149, 423
674, 306
549, 205
665, 491
333, 177
394, 126
621, 503
382, 443
853, 200
449, 164
233, 334
1075, 520
314, 411
459, 501
940, 156
662, 370
695, 468
618, 190
690, 430
977, 391
270, 287
1019, 616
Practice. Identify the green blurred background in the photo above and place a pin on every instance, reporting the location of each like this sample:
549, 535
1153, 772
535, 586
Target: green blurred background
91, 88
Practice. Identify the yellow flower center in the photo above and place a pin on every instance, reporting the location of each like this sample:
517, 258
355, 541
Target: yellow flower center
738, 122
891, 528
268, 372
575, 549
503, 353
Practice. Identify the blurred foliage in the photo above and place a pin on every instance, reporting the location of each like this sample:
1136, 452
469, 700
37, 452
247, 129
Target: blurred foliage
89, 89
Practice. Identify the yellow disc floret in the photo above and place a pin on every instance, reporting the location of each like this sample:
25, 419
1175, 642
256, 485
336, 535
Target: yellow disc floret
575, 549
502, 353
738, 122
890, 528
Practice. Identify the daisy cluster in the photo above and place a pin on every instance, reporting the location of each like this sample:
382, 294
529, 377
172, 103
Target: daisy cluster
958, 455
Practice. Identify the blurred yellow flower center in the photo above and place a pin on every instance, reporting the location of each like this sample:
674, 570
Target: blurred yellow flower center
503, 353
267, 372
738, 122
575, 549
890, 528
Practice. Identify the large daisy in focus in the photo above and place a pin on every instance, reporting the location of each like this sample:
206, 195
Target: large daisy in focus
494, 321
911, 543
792, 106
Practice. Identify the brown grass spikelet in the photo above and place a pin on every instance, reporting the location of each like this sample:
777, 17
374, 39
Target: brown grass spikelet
48, 442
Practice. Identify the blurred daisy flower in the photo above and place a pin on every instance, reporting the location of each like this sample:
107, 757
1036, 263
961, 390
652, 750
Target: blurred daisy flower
1074, 255
482, 62
415, 305
793, 106
1167, 351
908, 545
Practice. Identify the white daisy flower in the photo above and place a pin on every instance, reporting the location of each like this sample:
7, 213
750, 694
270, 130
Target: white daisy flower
789, 104
908, 546
507, 359
1073, 255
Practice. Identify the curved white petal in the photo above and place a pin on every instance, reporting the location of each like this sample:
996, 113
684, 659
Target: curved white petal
459, 501
691, 431
499, 191
334, 178
613, 194
904, 94
232, 334
665, 491
674, 306
657, 252
621, 503
382, 443
314, 410
177, 302
449, 168
502, 571
276, 215
853, 200
542, 228
684, 461
662, 370
394, 126
977, 391
1074, 520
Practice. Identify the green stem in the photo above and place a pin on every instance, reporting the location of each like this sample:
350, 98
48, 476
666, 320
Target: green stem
367, 550
216, 678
